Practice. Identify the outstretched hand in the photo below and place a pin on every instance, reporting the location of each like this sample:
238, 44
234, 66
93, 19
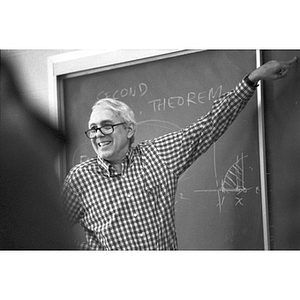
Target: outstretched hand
272, 70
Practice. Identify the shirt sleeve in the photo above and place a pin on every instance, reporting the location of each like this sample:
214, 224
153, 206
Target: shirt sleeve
180, 149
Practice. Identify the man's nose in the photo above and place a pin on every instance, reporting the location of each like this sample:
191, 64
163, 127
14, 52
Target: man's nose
99, 133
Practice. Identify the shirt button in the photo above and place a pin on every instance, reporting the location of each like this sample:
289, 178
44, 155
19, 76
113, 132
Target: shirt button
129, 196
149, 193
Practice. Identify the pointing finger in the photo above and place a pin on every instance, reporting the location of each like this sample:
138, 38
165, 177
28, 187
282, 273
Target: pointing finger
290, 62
284, 69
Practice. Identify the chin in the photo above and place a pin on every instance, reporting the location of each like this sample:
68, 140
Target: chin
104, 155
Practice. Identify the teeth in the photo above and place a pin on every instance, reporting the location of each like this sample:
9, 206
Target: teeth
104, 144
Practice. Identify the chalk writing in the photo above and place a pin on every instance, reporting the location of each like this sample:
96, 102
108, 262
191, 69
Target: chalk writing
132, 91
83, 158
159, 123
233, 182
239, 201
79, 154
191, 98
182, 197
234, 178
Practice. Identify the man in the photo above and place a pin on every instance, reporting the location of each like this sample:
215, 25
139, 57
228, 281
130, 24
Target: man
125, 197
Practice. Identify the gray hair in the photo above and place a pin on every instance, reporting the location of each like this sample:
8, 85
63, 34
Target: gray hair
121, 109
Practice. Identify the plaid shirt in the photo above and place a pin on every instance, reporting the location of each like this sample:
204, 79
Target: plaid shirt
135, 210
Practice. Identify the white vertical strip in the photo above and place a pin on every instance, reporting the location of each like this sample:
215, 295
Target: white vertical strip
262, 158
52, 93
53, 109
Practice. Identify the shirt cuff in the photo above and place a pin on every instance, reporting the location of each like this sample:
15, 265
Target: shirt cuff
244, 91
250, 83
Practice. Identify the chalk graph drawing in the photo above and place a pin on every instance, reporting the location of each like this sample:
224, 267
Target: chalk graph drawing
165, 125
233, 181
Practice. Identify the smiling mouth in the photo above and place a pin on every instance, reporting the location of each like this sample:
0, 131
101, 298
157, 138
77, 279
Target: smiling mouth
103, 144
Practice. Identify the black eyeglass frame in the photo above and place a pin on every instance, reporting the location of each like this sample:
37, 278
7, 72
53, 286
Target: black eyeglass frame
112, 128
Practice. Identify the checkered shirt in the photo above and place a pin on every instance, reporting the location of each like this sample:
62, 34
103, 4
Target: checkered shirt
135, 210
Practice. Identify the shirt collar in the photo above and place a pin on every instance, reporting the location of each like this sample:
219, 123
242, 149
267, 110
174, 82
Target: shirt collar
106, 167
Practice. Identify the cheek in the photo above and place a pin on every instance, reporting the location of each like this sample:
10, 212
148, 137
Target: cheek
120, 141
94, 145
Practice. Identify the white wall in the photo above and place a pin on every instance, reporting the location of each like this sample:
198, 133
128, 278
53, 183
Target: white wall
32, 74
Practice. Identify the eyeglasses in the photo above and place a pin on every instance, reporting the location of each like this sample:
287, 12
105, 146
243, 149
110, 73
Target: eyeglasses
105, 130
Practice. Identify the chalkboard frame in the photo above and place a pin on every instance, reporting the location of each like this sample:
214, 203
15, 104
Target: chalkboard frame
86, 62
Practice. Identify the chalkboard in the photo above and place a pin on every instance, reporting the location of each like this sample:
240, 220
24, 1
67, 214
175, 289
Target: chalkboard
282, 121
218, 202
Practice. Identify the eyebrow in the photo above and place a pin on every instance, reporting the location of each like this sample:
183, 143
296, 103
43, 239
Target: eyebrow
102, 123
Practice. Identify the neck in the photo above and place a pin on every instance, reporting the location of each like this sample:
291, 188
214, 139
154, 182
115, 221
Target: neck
117, 167
117, 163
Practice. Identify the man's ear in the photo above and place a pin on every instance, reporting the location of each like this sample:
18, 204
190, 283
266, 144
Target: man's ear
131, 128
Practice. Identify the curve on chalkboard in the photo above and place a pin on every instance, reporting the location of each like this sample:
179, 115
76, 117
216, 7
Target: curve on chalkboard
233, 182
161, 124
75, 159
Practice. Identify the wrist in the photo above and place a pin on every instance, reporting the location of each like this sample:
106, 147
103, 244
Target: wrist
253, 77
251, 81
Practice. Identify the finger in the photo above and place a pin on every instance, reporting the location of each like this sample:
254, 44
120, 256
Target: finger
280, 74
286, 65
290, 62
284, 72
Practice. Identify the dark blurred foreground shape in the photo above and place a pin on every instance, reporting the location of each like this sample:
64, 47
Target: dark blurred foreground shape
31, 217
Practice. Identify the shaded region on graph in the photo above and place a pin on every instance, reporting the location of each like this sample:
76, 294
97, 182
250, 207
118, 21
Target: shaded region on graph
233, 182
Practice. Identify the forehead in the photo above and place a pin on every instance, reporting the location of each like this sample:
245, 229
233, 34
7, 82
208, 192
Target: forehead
102, 115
